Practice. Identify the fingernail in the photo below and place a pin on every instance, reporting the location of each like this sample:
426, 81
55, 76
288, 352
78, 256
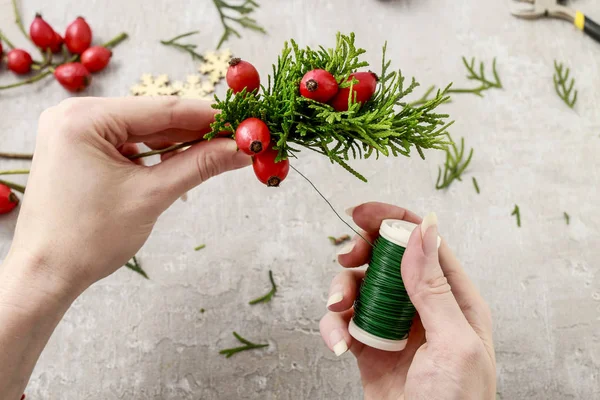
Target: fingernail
347, 248
338, 343
336, 296
430, 220
350, 211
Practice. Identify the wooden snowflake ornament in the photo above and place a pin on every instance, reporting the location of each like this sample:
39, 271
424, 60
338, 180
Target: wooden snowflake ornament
215, 65
153, 86
194, 88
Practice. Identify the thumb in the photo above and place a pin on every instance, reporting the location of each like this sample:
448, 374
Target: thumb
188, 169
426, 284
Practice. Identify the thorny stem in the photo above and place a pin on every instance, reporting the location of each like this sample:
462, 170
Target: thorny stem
13, 186
15, 172
331, 206
248, 346
5, 40
267, 297
16, 156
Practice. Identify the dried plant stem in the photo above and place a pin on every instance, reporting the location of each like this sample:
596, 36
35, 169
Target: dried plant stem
13, 186
16, 156
15, 172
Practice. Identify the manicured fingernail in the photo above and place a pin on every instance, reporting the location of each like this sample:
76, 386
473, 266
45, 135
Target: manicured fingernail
338, 343
347, 248
350, 211
336, 296
430, 220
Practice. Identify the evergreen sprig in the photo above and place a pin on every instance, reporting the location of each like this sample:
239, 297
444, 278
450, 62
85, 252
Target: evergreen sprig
134, 265
267, 297
562, 85
517, 214
189, 48
454, 166
243, 20
248, 345
385, 125
478, 74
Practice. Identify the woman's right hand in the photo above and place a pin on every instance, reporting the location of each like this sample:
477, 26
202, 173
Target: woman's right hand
450, 352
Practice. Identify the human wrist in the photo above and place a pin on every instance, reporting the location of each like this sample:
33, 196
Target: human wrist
30, 281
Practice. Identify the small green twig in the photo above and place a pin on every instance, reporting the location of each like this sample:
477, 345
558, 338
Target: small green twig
562, 85
15, 172
16, 156
336, 241
567, 218
454, 166
476, 185
13, 186
479, 76
267, 297
165, 150
424, 99
33, 79
134, 265
4, 39
244, 9
248, 346
517, 212
190, 48
200, 247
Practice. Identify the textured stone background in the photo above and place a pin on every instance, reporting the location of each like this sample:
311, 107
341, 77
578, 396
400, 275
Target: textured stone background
131, 338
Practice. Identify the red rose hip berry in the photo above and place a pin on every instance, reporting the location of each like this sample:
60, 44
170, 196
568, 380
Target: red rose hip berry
73, 76
58, 42
268, 171
8, 200
78, 36
242, 75
19, 61
318, 85
252, 136
41, 33
96, 58
364, 89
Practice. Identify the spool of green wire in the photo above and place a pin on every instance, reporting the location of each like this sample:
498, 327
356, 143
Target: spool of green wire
383, 312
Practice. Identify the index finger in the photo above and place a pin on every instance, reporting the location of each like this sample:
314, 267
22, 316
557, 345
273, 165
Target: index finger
147, 116
368, 217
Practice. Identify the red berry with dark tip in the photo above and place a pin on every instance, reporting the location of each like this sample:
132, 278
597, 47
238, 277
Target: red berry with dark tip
252, 136
19, 61
96, 58
268, 171
73, 76
364, 89
318, 85
242, 75
41, 33
8, 200
78, 36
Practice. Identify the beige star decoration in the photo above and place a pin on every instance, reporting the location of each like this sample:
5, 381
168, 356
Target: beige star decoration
153, 86
215, 65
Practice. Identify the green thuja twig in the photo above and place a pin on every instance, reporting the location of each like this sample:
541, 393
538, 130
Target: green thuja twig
189, 48
478, 75
385, 125
517, 213
454, 166
243, 20
476, 185
200, 247
562, 85
267, 297
134, 265
248, 346
567, 218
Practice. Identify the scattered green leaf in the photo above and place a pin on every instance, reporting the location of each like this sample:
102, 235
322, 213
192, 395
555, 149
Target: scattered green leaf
243, 11
476, 185
517, 213
200, 247
267, 297
454, 166
562, 85
134, 265
248, 346
336, 241
567, 218
202, 310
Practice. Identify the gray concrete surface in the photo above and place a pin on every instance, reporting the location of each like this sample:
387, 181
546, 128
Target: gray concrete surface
128, 338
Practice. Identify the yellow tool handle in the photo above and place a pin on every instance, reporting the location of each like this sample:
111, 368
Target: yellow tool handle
587, 25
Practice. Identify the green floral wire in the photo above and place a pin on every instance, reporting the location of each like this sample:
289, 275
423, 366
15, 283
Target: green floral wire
383, 307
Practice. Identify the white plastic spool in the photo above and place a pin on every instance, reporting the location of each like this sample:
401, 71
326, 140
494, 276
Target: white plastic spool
397, 232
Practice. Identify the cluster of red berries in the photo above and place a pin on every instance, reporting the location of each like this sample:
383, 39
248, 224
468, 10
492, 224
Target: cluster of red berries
73, 76
253, 136
8, 200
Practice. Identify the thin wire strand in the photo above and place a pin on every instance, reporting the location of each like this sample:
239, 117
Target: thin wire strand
331, 206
